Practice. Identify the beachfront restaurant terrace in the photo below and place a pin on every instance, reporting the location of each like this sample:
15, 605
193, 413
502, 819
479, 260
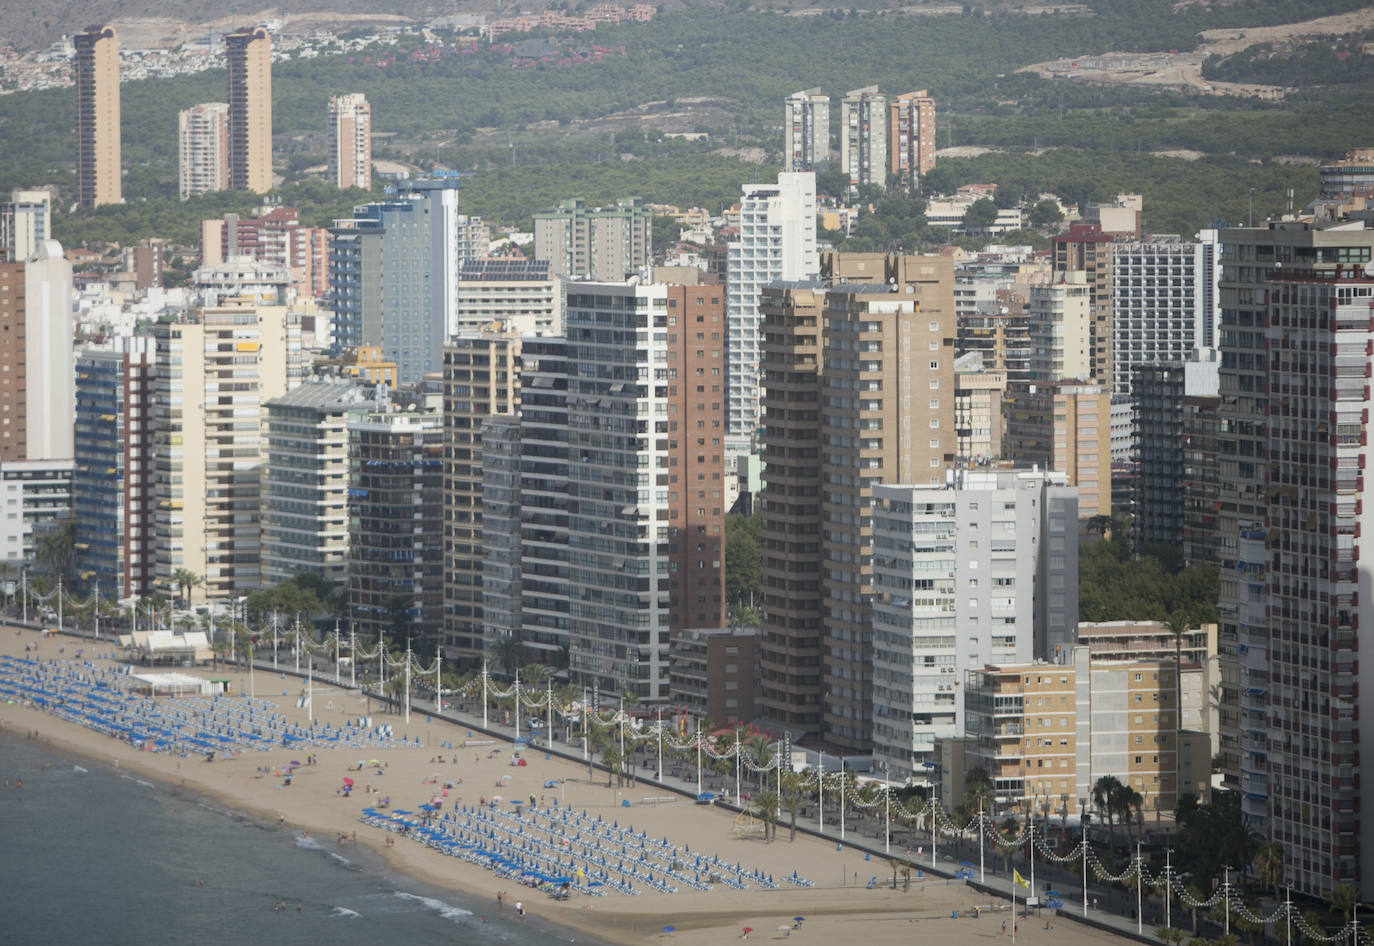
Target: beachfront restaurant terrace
166, 647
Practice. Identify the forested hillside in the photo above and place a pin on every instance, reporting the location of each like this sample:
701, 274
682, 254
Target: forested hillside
559, 128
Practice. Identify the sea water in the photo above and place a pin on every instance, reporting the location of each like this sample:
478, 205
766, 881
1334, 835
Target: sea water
92, 854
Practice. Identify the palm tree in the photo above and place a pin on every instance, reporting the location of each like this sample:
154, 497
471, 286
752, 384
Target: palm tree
1127, 800
1268, 863
1246, 925
791, 798
1312, 920
1008, 827
185, 580
1344, 898
504, 653
1106, 791
55, 549
1195, 896
896, 865
759, 748
766, 809
1177, 626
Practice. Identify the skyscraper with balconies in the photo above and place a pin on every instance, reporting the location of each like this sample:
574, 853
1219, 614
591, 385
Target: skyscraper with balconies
95, 69
806, 126
203, 149
213, 371
1295, 402
249, 54
858, 390
863, 137
777, 240
350, 141
910, 138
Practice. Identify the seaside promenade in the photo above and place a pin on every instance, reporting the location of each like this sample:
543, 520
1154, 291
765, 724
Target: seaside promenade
851, 881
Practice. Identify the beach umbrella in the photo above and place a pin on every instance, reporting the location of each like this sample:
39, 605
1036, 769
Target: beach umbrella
348, 781
798, 919
784, 927
748, 930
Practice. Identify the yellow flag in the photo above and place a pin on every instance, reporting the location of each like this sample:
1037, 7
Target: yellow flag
1017, 878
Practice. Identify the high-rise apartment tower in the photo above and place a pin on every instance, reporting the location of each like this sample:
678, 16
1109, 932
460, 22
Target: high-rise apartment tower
250, 109
96, 72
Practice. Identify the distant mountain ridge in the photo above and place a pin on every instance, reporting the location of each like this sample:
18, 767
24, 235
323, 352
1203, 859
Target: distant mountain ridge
38, 23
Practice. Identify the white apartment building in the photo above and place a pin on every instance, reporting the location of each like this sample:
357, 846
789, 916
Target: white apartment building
777, 240
1060, 343
521, 293
25, 222
1165, 303
350, 141
863, 136
212, 373
305, 481
203, 149
806, 125
36, 494
982, 570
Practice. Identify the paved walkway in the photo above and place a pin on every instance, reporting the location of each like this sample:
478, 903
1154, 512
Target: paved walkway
1107, 908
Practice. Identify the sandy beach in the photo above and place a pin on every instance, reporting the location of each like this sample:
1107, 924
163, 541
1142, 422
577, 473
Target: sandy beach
838, 905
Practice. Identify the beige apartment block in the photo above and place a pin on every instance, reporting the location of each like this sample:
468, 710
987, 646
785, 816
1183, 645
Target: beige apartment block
1064, 426
213, 373
250, 109
1046, 733
879, 408
350, 141
95, 69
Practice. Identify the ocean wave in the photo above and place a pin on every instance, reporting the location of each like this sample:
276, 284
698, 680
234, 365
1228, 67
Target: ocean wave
342, 861
445, 910
77, 768
347, 913
145, 784
309, 843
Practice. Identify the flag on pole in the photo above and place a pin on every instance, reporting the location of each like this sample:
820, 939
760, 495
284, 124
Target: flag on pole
1017, 878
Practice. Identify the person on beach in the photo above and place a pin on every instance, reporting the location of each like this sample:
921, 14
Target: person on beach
520, 909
